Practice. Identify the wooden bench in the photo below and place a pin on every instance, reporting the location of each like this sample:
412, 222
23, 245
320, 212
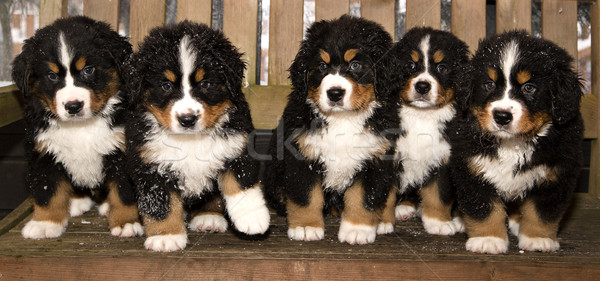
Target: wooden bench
87, 251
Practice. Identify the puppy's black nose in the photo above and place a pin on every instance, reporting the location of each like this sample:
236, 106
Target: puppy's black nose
74, 107
502, 117
422, 87
187, 120
335, 94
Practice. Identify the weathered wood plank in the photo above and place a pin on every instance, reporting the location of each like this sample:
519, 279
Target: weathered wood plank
559, 24
381, 11
594, 181
195, 10
143, 16
423, 13
17, 216
240, 26
103, 10
285, 34
11, 105
513, 14
266, 104
589, 111
468, 21
331, 9
50, 10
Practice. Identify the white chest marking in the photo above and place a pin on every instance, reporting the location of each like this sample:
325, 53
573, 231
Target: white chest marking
500, 171
195, 158
342, 147
80, 147
424, 147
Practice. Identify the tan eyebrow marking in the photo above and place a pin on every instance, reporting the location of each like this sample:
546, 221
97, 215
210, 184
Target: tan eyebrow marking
350, 54
414, 55
324, 56
170, 75
438, 56
199, 75
80, 63
492, 74
523, 76
53, 67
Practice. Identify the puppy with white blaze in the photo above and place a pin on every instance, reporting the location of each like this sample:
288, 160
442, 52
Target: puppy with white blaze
517, 151
187, 142
334, 143
72, 79
429, 64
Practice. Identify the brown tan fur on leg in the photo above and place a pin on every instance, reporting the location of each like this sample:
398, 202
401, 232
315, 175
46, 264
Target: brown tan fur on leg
120, 214
532, 226
494, 225
354, 207
387, 214
310, 215
174, 222
228, 184
57, 210
433, 207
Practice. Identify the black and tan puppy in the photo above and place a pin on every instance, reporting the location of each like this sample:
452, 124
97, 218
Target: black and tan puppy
187, 140
334, 144
70, 73
519, 144
429, 62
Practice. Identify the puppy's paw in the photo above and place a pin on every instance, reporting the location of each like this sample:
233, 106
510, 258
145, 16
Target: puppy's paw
103, 209
385, 228
248, 211
404, 212
43, 229
79, 206
357, 233
208, 223
542, 244
128, 230
487, 245
437, 227
166, 243
514, 227
459, 224
306, 233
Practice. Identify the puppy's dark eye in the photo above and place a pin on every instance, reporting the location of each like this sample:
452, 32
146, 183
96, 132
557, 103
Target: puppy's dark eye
528, 88
490, 85
53, 76
167, 86
411, 65
322, 66
442, 68
88, 70
204, 84
354, 65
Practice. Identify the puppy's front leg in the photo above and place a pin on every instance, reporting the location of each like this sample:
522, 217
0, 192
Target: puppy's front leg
168, 234
305, 222
246, 207
359, 225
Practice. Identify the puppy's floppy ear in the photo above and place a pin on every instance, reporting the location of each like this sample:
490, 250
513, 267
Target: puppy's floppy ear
566, 93
463, 85
20, 74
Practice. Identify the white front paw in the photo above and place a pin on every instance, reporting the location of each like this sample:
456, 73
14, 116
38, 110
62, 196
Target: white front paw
487, 245
79, 206
103, 209
248, 211
542, 244
438, 227
514, 226
404, 212
385, 228
128, 230
166, 243
306, 233
459, 224
43, 229
208, 223
357, 233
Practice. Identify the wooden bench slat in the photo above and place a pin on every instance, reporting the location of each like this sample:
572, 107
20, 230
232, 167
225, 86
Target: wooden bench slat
195, 10
381, 11
330, 9
285, 35
103, 10
423, 13
468, 21
11, 105
143, 16
240, 26
513, 14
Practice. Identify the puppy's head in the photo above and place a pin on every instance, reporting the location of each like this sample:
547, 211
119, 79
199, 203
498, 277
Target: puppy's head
72, 68
339, 67
188, 77
521, 84
428, 61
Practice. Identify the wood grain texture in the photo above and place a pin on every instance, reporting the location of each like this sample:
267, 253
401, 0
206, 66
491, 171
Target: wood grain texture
285, 34
103, 10
513, 14
423, 13
143, 16
50, 10
195, 10
240, 26
11, 105
267, 104
559, 24
594, 180
468, 21
381, 11
331, 9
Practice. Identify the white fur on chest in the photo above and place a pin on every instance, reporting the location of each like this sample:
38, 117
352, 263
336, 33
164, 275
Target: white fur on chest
423, 147
80, 146
342, 147
500, 170
196, 159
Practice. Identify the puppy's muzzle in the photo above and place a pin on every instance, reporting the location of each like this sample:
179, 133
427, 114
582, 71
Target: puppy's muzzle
335, 94
73, 107
422, 88
502, 117
187, 120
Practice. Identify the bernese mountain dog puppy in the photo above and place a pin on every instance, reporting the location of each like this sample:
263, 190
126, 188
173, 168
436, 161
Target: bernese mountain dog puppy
429, 61
518, 149
71, 76
187, 142
334, 144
